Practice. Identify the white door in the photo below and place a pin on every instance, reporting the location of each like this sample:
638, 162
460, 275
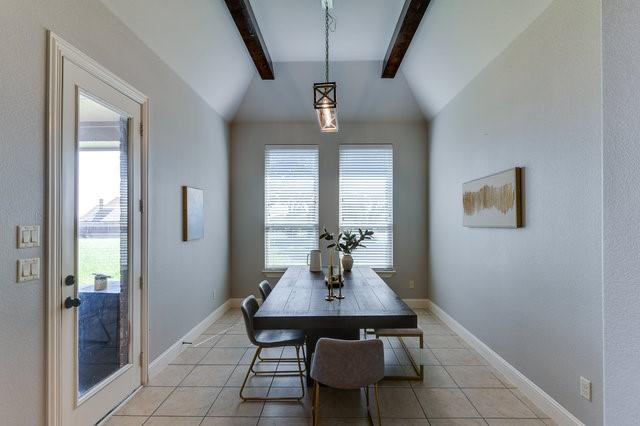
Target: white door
101, 247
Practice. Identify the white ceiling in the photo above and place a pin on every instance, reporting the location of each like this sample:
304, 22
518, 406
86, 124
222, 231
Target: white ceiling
456, 40
294, 29
362, 94
199, 41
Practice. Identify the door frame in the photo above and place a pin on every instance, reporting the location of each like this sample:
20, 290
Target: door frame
57, 51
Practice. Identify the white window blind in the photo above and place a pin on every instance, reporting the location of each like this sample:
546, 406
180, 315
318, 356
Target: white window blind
366, 200
290, 204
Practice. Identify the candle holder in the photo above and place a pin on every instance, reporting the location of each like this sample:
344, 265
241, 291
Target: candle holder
329, 296
340, 280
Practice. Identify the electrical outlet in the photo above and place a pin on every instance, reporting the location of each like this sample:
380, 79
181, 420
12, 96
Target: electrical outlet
585, 388
412, 284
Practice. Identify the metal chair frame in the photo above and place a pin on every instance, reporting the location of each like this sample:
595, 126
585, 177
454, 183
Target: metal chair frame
315, 406
419, 370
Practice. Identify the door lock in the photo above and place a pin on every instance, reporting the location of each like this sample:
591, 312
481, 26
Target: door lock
69, 280
72, 302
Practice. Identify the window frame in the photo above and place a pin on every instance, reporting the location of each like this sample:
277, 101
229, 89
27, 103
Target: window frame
276, 271
391, 268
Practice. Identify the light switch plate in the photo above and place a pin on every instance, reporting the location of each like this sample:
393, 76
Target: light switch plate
28, 236
28, 270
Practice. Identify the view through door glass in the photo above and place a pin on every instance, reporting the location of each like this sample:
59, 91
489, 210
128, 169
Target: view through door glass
102, 260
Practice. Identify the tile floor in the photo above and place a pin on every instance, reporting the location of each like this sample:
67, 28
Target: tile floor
201, 387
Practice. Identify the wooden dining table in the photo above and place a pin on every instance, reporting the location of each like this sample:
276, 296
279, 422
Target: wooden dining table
298, 302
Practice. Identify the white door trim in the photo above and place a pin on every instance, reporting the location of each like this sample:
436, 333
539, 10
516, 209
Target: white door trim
57, 51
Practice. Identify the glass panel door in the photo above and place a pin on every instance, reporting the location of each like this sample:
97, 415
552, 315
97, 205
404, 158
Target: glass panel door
102, 242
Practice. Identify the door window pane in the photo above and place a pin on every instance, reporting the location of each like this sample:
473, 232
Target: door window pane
102, 242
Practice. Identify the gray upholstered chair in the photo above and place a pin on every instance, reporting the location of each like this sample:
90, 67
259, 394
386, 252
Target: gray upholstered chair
347, 364
265, 290
271, 339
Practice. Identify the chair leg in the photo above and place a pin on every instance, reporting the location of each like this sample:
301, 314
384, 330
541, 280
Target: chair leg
375, 390
316, 404
258, 398
249, 370
300, 370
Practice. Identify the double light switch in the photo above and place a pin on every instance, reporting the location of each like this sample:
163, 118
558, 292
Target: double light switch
28, 269
28, 236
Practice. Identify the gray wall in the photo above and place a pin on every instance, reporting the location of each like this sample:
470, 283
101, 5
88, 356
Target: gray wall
534, 295
189, 145
621, 156
247, 192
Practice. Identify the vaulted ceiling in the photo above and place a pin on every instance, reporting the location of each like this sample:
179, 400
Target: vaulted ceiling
455, 41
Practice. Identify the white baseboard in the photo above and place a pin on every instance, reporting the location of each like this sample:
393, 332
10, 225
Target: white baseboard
234, 302
417, 303
158, 364
546, 403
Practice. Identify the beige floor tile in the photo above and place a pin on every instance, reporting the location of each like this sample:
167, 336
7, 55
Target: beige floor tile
247, 357
145, 401
395, 383
458, 357
434, 377
188, 401
467, 376
390, 357
515, 422
397, 371
435, 330
284, 421
223, 356
457, 422
288, 381
230, 421
208, 375
217, 329
445, 403
253, 381
420, 356
287, 352
506, 382
229, 403
124, 421
410, 342
234, 341
206, 340
171, 375
343, 403
404, 422
443, 342
190, 355
496, 403
533, 407
399, 403
345, 421
300, 409
173, 421
549, 422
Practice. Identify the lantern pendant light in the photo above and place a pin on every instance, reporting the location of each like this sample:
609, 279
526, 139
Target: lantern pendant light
324, 94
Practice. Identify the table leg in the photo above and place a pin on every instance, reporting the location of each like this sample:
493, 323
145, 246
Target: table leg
312, 337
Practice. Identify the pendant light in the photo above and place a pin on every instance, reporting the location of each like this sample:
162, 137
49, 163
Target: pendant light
324, 94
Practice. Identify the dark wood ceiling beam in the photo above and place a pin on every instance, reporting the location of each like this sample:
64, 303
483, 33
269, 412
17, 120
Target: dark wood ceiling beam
242, 15
410, 17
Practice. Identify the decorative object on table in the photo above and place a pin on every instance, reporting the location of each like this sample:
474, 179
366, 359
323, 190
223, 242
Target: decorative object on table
493, 201
331, 279
100, 282
314, 261
324, 94
192, 213
351, 241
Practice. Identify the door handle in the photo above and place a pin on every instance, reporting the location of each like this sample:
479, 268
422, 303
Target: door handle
72, 302
69, 280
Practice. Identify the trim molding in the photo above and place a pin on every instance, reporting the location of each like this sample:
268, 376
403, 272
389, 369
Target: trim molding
539, 397
158, 364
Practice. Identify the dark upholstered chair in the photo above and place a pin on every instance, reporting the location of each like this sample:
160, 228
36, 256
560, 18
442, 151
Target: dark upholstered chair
265, 290
271, 339
347, 364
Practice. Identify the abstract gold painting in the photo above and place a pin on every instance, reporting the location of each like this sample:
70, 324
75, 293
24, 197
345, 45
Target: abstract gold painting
493, 201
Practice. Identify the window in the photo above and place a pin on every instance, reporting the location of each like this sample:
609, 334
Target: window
290, 204
366, 200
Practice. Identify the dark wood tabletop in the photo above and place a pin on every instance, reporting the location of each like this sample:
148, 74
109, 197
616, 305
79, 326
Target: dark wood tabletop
297, 302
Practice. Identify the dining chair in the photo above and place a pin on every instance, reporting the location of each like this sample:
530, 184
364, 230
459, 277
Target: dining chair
400, 333
265, 290
271, 339
347, 364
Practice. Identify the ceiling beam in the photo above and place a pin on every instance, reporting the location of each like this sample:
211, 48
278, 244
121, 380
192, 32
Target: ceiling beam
242, 15
408, 23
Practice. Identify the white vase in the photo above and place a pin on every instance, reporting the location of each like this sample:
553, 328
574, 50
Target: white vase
347, 262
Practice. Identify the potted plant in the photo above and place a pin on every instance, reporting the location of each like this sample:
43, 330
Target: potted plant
350, 242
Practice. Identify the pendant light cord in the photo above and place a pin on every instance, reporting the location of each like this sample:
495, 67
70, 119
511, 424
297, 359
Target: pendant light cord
328, 22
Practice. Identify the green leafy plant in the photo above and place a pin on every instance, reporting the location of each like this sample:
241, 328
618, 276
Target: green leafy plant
352, 241
347, 241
